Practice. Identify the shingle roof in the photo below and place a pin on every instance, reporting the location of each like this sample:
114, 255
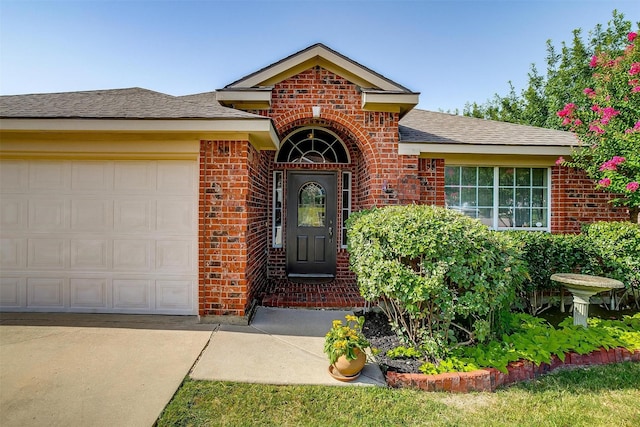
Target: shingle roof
131, 103
420, 126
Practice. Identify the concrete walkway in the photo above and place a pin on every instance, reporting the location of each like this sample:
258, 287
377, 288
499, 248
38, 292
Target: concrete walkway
122, 370
281, 346
93, 370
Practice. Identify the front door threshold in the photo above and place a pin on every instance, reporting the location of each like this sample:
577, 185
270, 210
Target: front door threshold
310, 276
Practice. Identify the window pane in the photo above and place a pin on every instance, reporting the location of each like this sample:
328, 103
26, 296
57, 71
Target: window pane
485, 197
452, 175
539, 177
539, 217
506, 196
523, 197
523, 177
523, 217
538, 197
486, 216
311, 205
506, 176
469, 176
468, 197
505, 217
485, 177
452, 196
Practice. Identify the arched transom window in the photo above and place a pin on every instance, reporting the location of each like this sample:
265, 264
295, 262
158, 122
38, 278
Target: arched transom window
312, 145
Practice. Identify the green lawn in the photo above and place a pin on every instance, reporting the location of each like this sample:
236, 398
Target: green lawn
597, 396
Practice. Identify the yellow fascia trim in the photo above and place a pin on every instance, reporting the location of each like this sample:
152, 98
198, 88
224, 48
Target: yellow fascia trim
82, 145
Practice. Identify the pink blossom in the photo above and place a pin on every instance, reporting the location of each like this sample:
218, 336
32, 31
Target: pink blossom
594, 61
595, 108
631, 36
604, 182
577, 122
611, 165
635, 89
635, 69
589, 92
566, 121
567, 111
595, 128
633, 82
560, 161
632, 186
635, 128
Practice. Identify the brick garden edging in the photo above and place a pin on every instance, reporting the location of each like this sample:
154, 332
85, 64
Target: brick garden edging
489, 379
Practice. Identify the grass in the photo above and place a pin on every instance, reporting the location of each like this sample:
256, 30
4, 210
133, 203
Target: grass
596, 396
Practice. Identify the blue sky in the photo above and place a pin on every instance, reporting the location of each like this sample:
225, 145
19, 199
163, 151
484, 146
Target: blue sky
451, 51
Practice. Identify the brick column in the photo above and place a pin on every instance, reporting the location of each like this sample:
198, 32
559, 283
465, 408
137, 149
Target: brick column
223, 229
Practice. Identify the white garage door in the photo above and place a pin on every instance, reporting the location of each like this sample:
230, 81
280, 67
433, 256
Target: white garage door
99, 236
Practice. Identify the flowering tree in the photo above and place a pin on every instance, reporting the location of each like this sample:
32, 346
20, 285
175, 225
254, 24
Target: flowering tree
607, 124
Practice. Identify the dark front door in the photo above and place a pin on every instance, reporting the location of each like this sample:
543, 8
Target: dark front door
311, 224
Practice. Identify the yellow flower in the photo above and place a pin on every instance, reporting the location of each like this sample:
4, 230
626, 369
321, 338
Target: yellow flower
337, 323
351, 318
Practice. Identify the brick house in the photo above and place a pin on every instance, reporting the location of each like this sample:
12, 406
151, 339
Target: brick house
133, 201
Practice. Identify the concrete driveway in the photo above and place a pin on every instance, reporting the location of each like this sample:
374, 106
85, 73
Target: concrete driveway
93, 370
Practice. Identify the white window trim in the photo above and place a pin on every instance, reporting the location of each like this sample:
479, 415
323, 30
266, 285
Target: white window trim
496, 190
345, 193
275, 208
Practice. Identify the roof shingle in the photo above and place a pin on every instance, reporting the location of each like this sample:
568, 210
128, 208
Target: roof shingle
420, 126
130, 103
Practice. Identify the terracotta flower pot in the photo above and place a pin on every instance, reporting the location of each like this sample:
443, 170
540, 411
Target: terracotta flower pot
351, 368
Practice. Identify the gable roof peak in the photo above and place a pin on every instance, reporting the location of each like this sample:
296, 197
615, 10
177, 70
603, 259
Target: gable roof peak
322, 55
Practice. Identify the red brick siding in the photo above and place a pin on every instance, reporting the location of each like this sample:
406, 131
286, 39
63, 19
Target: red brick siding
232, 225
431, 176
575, 201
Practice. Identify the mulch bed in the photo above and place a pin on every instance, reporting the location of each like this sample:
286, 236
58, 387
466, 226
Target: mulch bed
378, 332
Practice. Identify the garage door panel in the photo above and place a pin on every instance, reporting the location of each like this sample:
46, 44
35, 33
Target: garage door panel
13, 291
132, 255
14, 177
91, 176
50, 176
90, 254
99, 236
49, 215
13, 213
132, 216
88, 292
45, 292
176, 178
134, 177
13, 253
174, 294
47, 253
175, 256
174, 216
91, 214
132, 294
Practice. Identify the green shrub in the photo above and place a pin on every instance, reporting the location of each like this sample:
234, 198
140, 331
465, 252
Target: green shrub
614, 249
443, 279
610, 249
535, 340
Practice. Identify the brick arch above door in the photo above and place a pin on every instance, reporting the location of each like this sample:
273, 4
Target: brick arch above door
340, 123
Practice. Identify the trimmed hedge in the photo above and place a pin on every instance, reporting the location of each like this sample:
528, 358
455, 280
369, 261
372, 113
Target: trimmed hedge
610, 249
443, 278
